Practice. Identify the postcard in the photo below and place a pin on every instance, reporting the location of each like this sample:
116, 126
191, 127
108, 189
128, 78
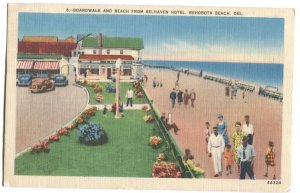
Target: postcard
148, 97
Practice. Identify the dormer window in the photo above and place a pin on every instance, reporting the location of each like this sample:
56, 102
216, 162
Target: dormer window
121, 51
107, 51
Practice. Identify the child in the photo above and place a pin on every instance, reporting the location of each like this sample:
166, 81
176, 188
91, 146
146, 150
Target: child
244, 96
228, 158
270, 159
207, 133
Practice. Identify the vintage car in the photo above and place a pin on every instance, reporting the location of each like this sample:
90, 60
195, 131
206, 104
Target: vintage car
24, 80
61, 80
42, 85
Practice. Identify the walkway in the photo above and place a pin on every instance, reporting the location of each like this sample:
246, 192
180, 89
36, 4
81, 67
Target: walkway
40, 114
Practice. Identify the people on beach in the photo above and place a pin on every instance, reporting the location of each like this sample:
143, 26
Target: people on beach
228, 159
237, 137
248, 129
246, 155
207, 133
173, 97
270, 159
179, 97
215, 149
129, 96
222, 128
186, 98
192, 97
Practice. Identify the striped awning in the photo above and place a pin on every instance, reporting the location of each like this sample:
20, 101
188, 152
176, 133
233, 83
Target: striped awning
24, 64
46, 65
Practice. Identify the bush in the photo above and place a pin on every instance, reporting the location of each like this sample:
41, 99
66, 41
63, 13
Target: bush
92, 134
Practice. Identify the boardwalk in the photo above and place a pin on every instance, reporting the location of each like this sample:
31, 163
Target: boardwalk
265, 115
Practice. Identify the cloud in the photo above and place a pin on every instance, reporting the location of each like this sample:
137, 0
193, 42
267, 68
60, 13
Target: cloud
186, 51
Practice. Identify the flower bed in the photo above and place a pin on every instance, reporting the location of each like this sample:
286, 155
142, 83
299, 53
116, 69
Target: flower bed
163, 169
155, 141
42, 146
138, 90
92, 134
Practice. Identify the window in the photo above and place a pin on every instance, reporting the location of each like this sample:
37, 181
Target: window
114, 70
127, 72
121, 52
94, 51
107, 51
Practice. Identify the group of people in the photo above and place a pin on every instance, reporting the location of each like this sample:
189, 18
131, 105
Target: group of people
242, 152
182, 97
156, 83
231, 90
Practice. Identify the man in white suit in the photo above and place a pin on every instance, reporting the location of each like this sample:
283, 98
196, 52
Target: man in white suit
215, 148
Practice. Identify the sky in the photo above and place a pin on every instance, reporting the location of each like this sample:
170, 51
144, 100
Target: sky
188, 38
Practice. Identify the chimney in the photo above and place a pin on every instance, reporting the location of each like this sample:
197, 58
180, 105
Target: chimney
100, 40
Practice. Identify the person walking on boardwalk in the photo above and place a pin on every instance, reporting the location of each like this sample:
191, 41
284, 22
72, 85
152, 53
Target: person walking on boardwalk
186, 98
248, 129
215, 150
228, 159
237, 137
180, 97
129, 96
270, 159
173, 97
227, 90
207, 133
222, 128
192, 97
235, 90
154, 82
246, 155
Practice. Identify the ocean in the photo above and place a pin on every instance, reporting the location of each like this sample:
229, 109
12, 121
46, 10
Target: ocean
257, 73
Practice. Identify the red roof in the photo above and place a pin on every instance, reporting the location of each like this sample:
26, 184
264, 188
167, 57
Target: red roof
105, 57
63, 48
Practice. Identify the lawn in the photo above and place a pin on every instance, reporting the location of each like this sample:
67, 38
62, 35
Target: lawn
109, 98
127, 153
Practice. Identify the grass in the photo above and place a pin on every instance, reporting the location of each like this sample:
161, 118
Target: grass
127, 153
109, 98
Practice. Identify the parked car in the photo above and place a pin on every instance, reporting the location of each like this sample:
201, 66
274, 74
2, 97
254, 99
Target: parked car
42, 76
24, 80
42, 85
61, 80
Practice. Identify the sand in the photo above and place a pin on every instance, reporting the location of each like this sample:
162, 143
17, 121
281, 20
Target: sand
265, 114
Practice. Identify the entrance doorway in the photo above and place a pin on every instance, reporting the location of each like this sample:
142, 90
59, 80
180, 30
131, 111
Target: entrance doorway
108, 73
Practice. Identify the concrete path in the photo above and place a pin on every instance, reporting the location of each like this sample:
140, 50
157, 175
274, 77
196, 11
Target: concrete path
43, 113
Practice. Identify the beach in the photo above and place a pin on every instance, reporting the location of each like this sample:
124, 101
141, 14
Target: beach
265, 114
